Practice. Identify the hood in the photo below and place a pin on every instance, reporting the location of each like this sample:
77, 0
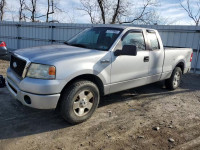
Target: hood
54, 53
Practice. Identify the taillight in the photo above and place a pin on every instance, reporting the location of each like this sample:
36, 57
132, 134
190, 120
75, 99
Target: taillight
191, 57
3, 44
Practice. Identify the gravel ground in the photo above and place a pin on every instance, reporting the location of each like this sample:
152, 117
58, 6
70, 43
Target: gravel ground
148, 117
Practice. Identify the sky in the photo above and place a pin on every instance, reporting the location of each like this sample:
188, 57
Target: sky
169, 9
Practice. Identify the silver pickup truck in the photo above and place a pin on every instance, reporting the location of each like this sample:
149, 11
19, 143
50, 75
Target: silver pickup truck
98, 61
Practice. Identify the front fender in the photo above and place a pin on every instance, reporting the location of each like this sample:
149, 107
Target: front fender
85, 72
74, 67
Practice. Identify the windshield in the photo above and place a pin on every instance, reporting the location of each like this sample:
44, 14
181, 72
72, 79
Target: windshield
99, 38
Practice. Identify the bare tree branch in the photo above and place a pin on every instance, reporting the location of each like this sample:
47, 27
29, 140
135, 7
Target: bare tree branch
101, 6
48, 7
32, 9
195, 16
50, 4
52, 8
143, 12
2, 7
21, 9
88, 7
116, 12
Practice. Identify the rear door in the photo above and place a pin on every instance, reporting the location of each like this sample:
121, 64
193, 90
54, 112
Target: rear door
156, 56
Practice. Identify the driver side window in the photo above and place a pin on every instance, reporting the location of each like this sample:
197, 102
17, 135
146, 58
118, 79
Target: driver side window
134, 38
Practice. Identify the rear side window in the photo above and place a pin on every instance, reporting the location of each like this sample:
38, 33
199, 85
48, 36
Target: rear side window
153, 41
134, 38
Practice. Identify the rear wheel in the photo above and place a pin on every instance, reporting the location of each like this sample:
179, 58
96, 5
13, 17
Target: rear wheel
174, 81
79, 101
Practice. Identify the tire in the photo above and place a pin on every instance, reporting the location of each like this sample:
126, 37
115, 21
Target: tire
174, 81
79, 101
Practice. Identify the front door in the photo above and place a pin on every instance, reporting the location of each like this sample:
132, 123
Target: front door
130, 71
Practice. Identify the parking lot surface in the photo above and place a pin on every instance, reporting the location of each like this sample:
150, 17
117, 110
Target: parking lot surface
148, 117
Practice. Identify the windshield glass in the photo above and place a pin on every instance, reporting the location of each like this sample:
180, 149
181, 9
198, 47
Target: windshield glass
99, 38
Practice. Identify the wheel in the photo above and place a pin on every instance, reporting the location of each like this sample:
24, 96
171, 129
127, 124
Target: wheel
79, 101
174, 81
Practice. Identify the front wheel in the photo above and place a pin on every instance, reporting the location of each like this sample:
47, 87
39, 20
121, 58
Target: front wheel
174, 81
79, 101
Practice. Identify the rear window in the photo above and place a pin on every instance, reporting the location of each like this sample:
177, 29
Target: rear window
153, 41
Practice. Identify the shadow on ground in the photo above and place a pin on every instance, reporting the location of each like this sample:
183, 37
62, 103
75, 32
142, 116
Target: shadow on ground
17, 120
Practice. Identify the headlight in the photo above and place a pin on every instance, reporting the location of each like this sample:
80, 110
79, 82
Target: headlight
40, 71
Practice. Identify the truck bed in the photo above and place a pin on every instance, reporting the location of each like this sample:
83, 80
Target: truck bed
174, 55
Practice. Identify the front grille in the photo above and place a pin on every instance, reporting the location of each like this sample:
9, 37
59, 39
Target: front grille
17, 65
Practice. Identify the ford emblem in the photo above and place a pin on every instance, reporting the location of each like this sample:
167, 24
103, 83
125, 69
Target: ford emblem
14, 64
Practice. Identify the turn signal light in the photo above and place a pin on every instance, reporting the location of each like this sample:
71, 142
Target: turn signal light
52, 70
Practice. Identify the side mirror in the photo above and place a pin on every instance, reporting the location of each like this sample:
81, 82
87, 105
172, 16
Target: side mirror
127, 50
3, 49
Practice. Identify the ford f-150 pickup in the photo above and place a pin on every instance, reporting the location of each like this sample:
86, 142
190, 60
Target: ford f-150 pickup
98, 61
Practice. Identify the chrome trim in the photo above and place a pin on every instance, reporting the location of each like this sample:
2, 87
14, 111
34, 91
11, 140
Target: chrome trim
28, 62
11, 91
26, 69
104, 61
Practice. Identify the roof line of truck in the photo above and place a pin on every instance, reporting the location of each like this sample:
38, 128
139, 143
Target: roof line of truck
123, 27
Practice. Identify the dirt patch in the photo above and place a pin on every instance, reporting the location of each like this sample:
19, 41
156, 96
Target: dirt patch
3, 67
131, 124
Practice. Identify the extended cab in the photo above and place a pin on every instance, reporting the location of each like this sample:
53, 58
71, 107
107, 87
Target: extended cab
97, 61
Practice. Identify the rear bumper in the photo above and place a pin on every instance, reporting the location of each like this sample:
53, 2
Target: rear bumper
35, 100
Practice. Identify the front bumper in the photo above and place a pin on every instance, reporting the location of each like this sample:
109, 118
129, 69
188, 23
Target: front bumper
36, 101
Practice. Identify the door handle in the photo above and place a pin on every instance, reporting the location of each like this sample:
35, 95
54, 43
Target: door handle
104, 61
146, 59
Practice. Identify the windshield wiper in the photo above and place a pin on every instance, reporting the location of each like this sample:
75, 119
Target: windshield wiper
78, 45
66, 43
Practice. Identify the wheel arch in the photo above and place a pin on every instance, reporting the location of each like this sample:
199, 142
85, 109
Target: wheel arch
180, 64
89, 77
